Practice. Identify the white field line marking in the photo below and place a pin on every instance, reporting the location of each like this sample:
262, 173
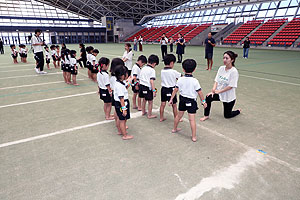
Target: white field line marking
31, 75
225, 178
19, 70
180, 181
266, 79
277, 160
37, 84
50, 99
133, 115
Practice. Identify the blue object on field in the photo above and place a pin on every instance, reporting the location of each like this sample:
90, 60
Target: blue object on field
261, 151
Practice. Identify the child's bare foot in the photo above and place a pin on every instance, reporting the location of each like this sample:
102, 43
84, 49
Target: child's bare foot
177, 130
152, 116
204, 118
127, 137
162, 119
119, 133
194, 139
145, 113
139, 109
109, 118
76, 84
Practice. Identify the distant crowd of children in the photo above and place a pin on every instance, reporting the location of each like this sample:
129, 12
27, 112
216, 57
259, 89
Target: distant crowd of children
22, 51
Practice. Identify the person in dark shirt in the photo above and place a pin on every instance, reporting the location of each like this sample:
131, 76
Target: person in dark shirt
210, 43
246, 46
83, 57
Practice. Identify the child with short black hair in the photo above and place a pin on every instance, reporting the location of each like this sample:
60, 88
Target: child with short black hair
169, 77
14, 53
147, 88
47, 56
94, 67
122, 106
105, 91
136, 70
67, 68
54, 55
189, 88
89, 51
73, 66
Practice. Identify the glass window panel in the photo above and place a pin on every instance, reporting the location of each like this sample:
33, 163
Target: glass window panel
233, 9
265, 5
281, 12
248, 7
270, 13
273, 5
291, 11
294, 3
284, 4
262, 14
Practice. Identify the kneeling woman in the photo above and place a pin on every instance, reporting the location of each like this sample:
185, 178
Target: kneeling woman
224, 88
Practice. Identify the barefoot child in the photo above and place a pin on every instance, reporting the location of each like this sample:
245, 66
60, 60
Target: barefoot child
47, 55
23, 53
136, 70
94, 67
54, 55
73, 66
189, 88
14, 53
67, 66
169, 77
121, 100
89, 51
105, 91
147, 87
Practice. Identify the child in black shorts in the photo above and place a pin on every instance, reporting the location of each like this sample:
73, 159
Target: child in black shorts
58, 53
47, 56
169, 77
136, 70
94, 67
147, 89
73, 66
14, 53
105, 91
54, 54
189, 88
89, 51
122, 106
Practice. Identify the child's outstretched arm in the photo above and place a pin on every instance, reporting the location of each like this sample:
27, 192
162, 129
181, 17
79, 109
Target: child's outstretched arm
173, 95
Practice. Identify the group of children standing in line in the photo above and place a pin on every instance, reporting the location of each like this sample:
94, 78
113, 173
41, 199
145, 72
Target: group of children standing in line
113, 89
22, 51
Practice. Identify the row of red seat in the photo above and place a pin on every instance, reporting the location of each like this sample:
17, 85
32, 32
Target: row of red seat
288, 35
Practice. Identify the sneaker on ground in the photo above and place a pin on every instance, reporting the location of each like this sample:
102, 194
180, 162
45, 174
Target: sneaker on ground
42, 72
37, 70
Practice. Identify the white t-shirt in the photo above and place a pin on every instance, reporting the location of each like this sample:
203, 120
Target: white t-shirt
227, 78
53, 52
36, 40
120, 91
67, 61
147, 73
188, 86
169, 77
164, 42
47, 54
103, 79
23, 50
128, 63
92, 59
73, 62
136, 71
112, 81
89, 57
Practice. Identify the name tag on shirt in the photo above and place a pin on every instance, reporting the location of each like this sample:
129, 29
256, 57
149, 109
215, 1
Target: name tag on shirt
104, 95
144, 92
169, 95
188, 104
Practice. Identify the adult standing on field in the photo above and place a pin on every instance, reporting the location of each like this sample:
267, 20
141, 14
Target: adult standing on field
1, 47
210, 43
164, 45
246, 47
140, 43
37, 44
